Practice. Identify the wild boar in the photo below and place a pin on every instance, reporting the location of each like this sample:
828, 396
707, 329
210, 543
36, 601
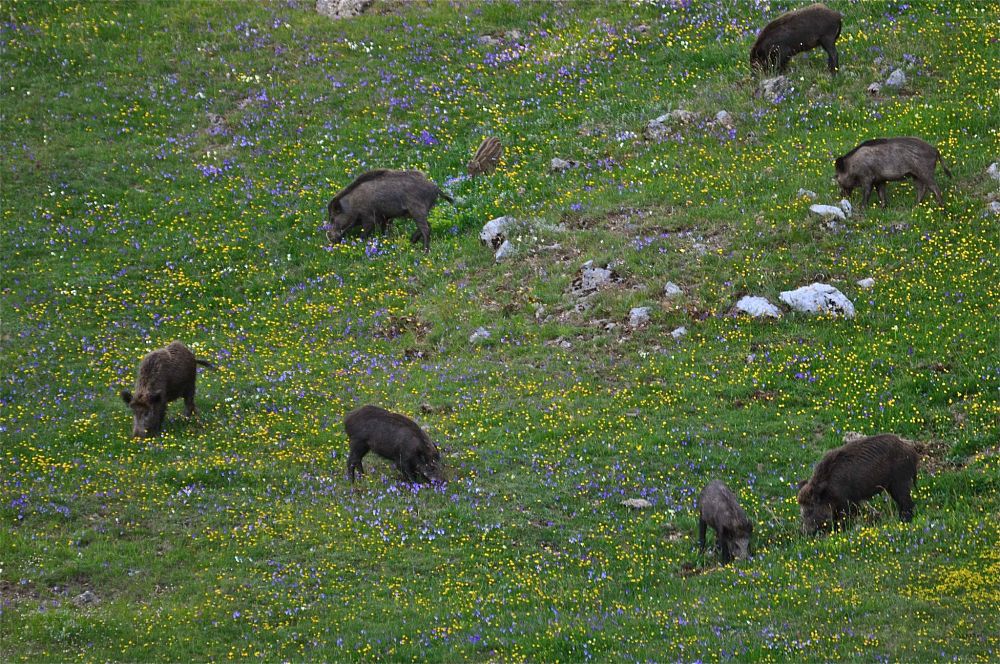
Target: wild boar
164, 375
718, 508
875, 162
394, 437
794, 32
855, 472
377, 197
486, 158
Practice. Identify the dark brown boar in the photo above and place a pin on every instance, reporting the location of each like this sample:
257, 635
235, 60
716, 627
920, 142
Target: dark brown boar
377, 197
164, 375
855, 472
794, 32
718, 508
394, 437
486, 158
875, 162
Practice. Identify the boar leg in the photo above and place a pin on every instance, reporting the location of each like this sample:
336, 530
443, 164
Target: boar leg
189, 408
880, 187
831, 50
935, 190
702, 527
866, 194
423, 229
359, 448
900, 493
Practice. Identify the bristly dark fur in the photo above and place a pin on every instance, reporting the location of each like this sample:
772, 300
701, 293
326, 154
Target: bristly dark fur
794, 32
361, 179
394, 437
839, 164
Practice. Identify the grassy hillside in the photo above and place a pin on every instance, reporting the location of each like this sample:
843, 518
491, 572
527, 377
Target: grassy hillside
165, 174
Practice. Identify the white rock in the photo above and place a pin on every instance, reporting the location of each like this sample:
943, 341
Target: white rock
897, 79
775, 88
87, 597
867, 283
679, 332
637, 503
592, 278
338, 9
807, 193
724, 119
994, 208
505, 250
672, 290
494, 232
846, 206
638, 317
828, 212
479, 335
758, 307
679, 115
994, 171
818, 298
558, 165
874, 88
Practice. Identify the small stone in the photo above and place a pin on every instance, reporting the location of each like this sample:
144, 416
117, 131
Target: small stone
637, 503
86, 598
338, 9
671, 290
874, 89
994, 171
897, 79
775, 89
758, 307
680, 115
494, 232
558, 165
638, 317
867, 283
725, 119
851, 436
505, 250
828, 212
818, 298
994, 208
846, 206
679, 332
807, 193
481, 334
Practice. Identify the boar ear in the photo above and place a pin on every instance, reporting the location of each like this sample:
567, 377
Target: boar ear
155, 398
126, 396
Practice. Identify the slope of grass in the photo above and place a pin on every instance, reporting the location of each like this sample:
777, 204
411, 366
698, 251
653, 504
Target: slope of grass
165, 172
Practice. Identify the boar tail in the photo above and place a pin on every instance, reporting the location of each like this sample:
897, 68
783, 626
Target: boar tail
941, 161
205, 363
445, 196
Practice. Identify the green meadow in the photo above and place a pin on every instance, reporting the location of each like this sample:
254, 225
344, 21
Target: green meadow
165, 169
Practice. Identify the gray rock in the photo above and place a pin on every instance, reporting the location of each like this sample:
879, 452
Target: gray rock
775, 89
874, 89
818, 298
505, 250
637, 503
638, 317
807, 193
481, 334
679, 332
86, 598
660, 127
867, 283
671, 290
338, 9
494, 232
562, 165
680, 115
993, 208
994, 171
725, 119
591, 278
828, 212
897, 79
655, 130
489, 40
758, 307
846, 206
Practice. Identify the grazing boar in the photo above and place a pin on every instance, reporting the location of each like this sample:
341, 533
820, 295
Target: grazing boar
875, 162
394, 437
377, 197
164, 375
794, 32
855, 472
486, 158
718, 508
